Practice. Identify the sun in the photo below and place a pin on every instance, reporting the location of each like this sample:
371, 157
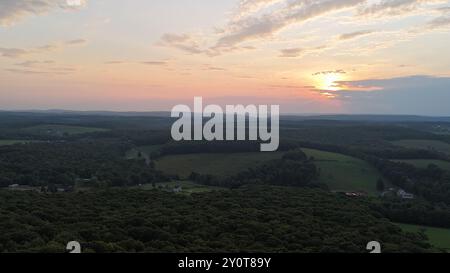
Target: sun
330, 81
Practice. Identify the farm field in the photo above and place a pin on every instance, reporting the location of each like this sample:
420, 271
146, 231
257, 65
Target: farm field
221, 165
345, 173
438, 237
434, 145
5, 142
338, 171
423, 163
52, 129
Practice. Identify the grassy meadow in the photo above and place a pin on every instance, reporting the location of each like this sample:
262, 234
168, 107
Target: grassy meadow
438, 237
341, 172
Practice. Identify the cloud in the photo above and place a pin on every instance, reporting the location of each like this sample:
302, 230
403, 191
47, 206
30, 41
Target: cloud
300, 52
149, 63
171, 38
246, 7
22, 52
12, 52
36, 67
295, 12
393, 7
419, 95
42, 70
439, 22
356, 34
291, 52
263, 19
337, 71
13, 11
76, 42
34, 63
254, 26
156, 63
208, 67
115, 62
182, 42
191, 45
443, 9
25, 71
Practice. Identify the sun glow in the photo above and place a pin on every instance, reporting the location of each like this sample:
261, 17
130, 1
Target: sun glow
329, 82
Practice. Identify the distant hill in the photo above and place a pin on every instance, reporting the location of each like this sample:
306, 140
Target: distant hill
91, 113
374, 118
293, 117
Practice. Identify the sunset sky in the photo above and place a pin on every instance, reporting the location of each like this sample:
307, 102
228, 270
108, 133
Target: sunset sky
309, 56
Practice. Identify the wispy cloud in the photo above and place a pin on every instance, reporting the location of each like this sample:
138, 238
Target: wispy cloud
149, 63
393, 7
246, 7
155, 63
209, 67
293, 12
291, 52
439, 22
34, 63
182, 42
13, 52
264, 19
300, 52
21, 52
355, 34
13, 11
76, 42
337, 71
48, 71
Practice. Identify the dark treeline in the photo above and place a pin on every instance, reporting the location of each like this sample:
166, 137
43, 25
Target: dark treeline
192, 147
101, 162
134, 136
374, 135
405, 153
417, 212
249, 219
17, 120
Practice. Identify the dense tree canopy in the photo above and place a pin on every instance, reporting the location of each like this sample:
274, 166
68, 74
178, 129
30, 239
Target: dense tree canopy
249, 219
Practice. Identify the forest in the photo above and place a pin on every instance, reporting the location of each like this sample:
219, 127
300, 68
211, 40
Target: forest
96, 178
249, 219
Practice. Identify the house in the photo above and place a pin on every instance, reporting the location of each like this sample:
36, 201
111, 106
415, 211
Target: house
356, 194
17, 187
177, 189
404, 195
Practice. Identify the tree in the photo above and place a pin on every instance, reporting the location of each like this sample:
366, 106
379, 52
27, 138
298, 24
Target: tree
380, 185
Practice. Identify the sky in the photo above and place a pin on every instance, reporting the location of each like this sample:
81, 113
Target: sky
308, 56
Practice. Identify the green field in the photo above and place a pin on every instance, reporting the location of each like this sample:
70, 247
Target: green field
187, 187
434, 145
345, 173
52, 129
438, 237
221, 165
339, 172
423, 163
5, 142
